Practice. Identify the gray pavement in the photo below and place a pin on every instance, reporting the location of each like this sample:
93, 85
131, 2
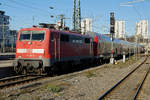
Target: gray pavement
6, 68
6, 63
6, 56
3, 54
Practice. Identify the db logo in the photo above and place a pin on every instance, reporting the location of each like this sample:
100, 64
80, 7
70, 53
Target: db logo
29, 43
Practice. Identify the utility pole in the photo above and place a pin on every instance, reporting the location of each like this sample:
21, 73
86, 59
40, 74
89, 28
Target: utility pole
136, 46
62, 22
13, 35
112, 31
33, 19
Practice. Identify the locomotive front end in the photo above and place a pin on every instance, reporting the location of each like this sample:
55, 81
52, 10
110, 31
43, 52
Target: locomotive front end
31, 50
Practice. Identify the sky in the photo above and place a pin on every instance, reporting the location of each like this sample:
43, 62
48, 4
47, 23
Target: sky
25, 13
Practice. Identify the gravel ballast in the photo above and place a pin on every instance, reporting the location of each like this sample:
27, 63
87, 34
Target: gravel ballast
87, 86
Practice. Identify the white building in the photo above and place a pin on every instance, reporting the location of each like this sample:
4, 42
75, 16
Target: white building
86, 25
142, 28
119, 29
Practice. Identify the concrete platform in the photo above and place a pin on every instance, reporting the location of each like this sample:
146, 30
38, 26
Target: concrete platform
6, 56
1, 54
6, 68
8, 63
6, 72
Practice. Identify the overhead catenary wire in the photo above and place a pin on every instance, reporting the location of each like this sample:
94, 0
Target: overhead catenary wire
132, 2
31, 2
22, 5
27, 6
134, 8
6, 4
39, 15
139, 14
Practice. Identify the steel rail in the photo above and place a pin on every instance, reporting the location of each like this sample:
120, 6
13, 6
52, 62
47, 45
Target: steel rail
107, 92
19, 81
12, 78
140, 86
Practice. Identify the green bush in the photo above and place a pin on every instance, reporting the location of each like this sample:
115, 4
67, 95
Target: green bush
90, 74
54, 88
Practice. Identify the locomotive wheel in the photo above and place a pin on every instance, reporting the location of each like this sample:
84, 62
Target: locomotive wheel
49, 71
24, 71
39, 71
18, 69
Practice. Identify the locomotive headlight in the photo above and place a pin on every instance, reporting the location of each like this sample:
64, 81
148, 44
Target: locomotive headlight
19, 56
40, 57
37, 50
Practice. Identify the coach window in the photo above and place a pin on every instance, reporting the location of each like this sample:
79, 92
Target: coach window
87, 40
64, 38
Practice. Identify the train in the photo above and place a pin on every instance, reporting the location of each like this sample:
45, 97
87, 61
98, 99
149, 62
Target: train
45, 50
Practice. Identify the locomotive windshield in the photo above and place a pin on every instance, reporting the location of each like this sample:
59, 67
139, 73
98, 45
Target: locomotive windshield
32, 35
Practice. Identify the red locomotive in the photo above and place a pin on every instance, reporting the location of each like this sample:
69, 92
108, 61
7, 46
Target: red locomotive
40, 49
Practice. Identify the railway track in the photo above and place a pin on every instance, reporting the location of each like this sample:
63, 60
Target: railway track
37, 85
16, 80
129, 86
140, 86
47, 79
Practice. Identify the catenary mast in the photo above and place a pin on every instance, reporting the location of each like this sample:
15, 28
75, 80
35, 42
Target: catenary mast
76, 23
78, 16
74, 15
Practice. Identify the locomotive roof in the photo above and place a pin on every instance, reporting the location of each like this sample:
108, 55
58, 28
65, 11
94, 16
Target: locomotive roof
69, 32
53, 30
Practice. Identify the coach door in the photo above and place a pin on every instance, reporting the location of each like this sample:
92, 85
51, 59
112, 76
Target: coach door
56, 46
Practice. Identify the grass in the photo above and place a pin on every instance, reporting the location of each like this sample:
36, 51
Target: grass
54, 88
38, 98
90, 74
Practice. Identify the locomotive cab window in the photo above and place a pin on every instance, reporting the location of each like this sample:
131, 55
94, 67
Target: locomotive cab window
32, 35
24, 36
38, 35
